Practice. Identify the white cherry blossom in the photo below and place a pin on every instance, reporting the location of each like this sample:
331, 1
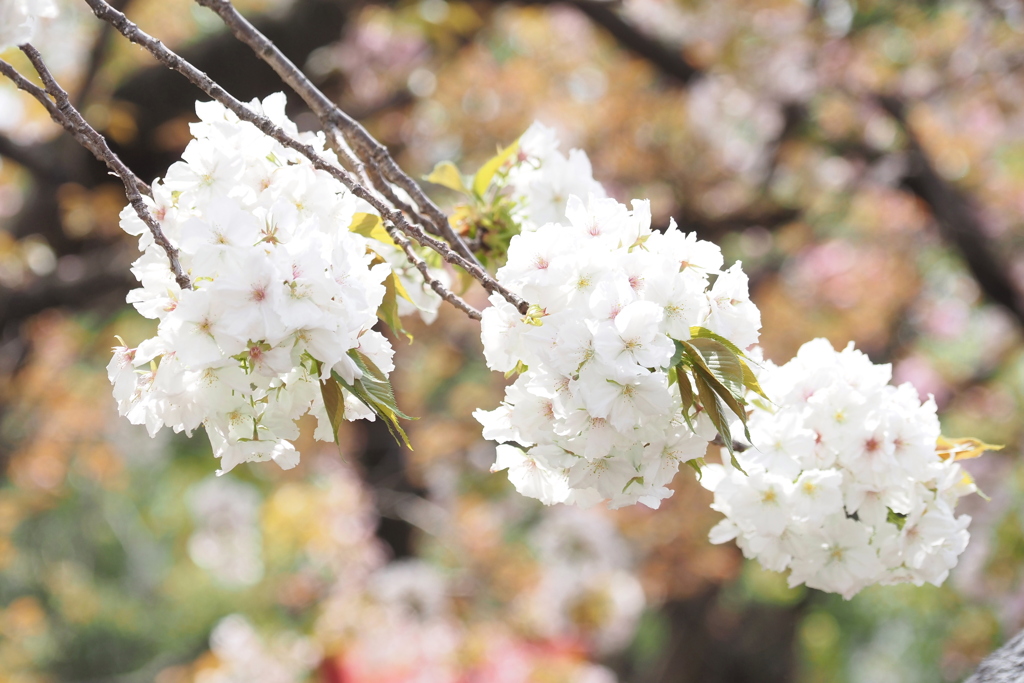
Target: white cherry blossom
843, 484
281, 296
593, 406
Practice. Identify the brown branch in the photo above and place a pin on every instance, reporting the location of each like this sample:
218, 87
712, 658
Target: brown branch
366, 147
669, 60
105, 12
957, 220
421, 265
62, 111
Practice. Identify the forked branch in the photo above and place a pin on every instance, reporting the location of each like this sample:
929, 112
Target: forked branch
396, 218
57, 103
365, 146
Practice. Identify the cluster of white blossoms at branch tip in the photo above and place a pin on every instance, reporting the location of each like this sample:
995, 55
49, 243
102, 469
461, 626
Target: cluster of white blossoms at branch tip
843, 484
593, 406
19, 20
543, 179
283, 293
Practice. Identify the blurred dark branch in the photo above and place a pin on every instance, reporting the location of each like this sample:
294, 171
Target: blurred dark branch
669, 61
714, 640
93, 277
161, 95
403, 505
64, 113
366, 148
713, 229
30, 158
97, 56
794, 115
958, 221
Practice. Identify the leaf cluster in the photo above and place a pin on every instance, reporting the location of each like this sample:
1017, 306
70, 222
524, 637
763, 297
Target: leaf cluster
714, 376
486, 217
373, 389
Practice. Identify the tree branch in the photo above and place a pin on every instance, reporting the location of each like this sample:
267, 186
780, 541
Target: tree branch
958, 223
62, 111
1005, 665
102, 271
105, 12
421, 265
366, 147
667, 59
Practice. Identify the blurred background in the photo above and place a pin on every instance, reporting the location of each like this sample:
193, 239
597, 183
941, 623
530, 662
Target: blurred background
863, 158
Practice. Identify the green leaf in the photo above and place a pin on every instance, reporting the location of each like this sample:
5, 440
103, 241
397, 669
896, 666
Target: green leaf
713, 407
634, 480
334, 400
372, 227
750, 381
388, 309
482, 179
402, 291
679, 353
721, 370
896, 518
710, 402
374, 390
686, 394
519, 369
446, 174
722, 363
378, 382
705, 333
736, 406
698, 464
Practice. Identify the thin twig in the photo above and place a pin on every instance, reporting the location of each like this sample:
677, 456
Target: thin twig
421, 265
127, 28
364, 144
369, 176
62, 112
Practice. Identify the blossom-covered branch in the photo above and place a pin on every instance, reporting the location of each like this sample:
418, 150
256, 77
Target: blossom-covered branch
62, 112
368, 149
104, 11
435, 284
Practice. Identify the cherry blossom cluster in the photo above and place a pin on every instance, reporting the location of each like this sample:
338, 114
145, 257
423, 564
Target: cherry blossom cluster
282, 293
843, 484
19, 20
542, 179
593, 408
